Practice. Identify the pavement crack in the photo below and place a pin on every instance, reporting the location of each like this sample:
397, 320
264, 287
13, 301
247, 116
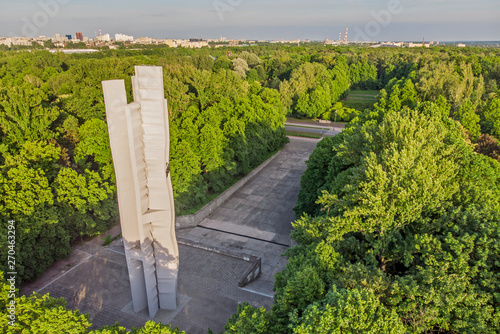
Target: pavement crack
244, 236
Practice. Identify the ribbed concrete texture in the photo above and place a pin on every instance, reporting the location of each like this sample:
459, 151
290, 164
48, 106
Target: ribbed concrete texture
140, 146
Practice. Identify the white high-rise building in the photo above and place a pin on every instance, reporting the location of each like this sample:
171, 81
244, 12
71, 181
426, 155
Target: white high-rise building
123, 38
104, 38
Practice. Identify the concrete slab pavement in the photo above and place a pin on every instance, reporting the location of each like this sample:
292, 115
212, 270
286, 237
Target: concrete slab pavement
208, 290
255, 220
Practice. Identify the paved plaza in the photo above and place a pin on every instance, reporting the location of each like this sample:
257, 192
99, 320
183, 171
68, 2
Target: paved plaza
255, 220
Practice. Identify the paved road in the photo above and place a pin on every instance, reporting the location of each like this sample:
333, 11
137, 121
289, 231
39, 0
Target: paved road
255, 220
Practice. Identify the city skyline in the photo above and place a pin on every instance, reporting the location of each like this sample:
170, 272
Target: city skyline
439, 20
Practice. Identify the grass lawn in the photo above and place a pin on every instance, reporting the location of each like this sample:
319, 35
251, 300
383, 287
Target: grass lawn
307, 127
360, 99
312, 121
301, 119
303, 134
373, 93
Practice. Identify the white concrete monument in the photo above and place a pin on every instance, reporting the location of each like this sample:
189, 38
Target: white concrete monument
139, 139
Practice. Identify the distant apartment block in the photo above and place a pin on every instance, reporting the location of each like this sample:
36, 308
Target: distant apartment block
173, 43
330, 42
123, 38
194, 43
21, 41
417, 45
281, 41
6, 41
59, 38
104, 38
388, 45
79, 36
144, 40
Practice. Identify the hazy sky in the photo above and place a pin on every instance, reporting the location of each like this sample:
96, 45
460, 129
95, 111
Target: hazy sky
437, 20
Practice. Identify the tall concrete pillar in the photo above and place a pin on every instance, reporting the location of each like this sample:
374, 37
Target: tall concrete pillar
139, 139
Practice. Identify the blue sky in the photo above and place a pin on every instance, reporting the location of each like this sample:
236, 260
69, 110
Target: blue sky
437, 20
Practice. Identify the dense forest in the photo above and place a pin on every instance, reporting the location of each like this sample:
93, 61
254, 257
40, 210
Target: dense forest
398, 216
56, 174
